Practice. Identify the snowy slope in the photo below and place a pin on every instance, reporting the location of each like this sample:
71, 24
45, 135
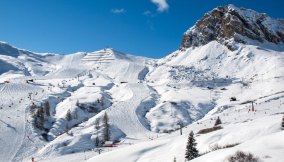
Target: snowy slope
14, 116
64, 80
250, 74
251, 131
146, 100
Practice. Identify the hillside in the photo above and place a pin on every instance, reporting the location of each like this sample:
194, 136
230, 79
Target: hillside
54, 106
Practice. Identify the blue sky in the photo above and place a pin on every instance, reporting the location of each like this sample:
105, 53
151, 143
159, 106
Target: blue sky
151, 28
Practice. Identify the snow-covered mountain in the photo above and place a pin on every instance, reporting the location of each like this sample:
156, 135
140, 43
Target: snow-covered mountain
230, 59
230, 24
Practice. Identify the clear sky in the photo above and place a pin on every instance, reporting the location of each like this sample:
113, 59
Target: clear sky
151, 28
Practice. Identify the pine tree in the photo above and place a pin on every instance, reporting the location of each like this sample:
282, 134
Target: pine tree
68, 116
36, 118
218, 121
191, 150
175, 160
102, 101
97, 141
75, 114
106, 127
78, 103
41, 112
39, 118
66, 128
282, 125
97, 124
46, 108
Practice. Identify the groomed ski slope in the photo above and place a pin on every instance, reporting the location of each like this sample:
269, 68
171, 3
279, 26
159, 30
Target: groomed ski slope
127, 108
14, 102
235, 74
125, 115
142, 101
256, 132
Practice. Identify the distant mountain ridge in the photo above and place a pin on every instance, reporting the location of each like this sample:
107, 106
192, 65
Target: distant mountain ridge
6, 49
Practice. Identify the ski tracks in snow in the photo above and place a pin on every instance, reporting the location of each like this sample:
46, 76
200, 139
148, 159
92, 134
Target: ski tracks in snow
14, 102
123, 114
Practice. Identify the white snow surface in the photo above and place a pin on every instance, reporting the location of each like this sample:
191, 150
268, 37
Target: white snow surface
145, 100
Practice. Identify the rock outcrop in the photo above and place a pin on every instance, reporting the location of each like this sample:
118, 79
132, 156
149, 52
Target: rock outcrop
231, 24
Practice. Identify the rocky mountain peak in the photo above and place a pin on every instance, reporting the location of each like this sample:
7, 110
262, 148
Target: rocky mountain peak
229, 24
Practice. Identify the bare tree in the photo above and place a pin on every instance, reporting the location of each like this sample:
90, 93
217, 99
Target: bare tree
242, 156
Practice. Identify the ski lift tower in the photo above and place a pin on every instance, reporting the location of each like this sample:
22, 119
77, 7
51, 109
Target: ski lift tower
252, 106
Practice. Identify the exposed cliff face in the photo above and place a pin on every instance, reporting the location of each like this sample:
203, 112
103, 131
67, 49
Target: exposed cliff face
231, 23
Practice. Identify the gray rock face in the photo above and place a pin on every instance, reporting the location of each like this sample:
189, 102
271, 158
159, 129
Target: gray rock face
228, 23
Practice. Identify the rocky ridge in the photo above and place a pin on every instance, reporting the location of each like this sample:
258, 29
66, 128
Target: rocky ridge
229, 24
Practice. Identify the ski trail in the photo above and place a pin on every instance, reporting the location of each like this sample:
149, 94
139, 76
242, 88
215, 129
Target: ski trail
14, 101
123, 114
30, 140
2, 88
